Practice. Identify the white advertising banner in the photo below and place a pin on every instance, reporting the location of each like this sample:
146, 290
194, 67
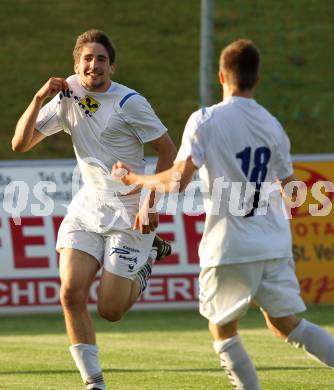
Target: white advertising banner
34, 198
35, 195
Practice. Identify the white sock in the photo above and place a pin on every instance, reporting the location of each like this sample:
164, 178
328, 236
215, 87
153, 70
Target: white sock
317, 342
145, 272
237, 364
153, 254
87, 361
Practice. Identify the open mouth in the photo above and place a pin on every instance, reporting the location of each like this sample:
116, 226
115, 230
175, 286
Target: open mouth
93, 75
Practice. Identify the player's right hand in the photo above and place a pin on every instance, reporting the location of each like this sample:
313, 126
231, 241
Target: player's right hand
52, 87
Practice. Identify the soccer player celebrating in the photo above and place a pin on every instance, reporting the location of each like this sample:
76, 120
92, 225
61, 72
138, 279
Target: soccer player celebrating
243, 258
107, 122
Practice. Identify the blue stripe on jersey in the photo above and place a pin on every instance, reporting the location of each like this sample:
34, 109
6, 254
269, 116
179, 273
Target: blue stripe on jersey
126, 97
48, 120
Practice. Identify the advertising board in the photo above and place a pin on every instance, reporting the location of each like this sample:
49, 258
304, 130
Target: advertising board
29, 281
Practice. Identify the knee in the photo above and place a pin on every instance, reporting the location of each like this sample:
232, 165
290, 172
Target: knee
274, 327
71, 297
110, 314
225, 331
283, 326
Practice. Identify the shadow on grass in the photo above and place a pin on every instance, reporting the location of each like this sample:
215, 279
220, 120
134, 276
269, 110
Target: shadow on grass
144, 321
162, 370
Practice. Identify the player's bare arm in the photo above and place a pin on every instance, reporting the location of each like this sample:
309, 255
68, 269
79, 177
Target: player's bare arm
26, 136
177, 177
166, 151
147, 219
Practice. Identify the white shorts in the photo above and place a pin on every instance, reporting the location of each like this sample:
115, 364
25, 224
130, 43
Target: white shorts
226, 291
121, 252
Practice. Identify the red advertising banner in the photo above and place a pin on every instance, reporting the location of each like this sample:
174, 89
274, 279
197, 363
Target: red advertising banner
29, 265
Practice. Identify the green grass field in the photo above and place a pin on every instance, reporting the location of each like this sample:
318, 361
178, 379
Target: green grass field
158, 54
152, 350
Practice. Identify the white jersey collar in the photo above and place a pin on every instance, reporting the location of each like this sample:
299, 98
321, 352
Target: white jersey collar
240, 100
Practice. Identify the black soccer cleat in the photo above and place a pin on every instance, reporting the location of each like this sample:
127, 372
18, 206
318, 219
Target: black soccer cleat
163, 247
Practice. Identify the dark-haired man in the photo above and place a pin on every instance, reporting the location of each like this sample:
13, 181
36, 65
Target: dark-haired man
243, 257
107, 122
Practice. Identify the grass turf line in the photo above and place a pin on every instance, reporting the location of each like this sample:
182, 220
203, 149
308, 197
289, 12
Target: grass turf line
152, 350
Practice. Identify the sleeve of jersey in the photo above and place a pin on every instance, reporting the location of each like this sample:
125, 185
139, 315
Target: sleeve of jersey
143, 120
193, 143
283, 159
48, 121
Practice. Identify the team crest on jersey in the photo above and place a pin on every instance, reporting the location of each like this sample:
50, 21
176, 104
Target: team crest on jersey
89, 104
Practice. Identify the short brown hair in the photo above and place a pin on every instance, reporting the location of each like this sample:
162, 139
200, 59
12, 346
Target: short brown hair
94, 36
240, 62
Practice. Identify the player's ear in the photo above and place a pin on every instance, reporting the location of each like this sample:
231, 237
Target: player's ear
221, 77
112, 69
76, 70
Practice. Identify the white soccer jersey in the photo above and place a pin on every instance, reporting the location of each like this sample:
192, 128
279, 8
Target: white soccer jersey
105, 127
238, 141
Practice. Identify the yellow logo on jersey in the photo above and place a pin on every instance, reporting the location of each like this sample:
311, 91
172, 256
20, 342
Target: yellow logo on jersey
90, 104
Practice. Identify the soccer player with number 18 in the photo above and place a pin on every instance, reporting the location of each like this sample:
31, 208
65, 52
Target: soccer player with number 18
243, 258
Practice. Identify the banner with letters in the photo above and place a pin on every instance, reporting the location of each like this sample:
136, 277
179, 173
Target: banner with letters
313, 229
34, 197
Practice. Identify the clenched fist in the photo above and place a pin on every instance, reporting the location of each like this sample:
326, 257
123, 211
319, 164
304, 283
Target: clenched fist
52, 87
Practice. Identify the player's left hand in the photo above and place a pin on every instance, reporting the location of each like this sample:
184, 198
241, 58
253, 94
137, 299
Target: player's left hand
146, 222
147, 219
